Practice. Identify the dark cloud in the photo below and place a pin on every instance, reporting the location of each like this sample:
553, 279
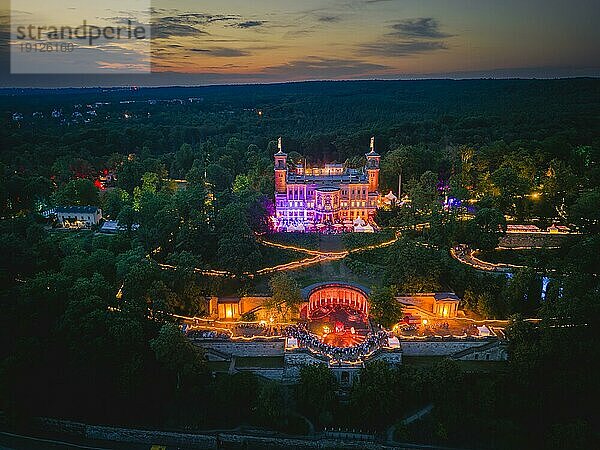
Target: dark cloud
165, 30
227, 66
125, 20
190, 24
266, 47
185, 24
402, 48
224, 52
196, 18
294, 34
249, 24
314, 67
408, 37
228, 52
421, 27
329, 19
162, 11
223, 40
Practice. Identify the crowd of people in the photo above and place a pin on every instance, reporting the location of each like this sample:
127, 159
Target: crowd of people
306, 339
207, 334
249, 329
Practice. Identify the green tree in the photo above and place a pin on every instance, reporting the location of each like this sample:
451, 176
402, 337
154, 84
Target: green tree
270, 404
150, 185
430, 269
236, 396
510, 189
374, 409
523, 292
237, 249
424, 194
76, 192
286, 297
385, 309
183, 161
113, 201
219, 177
127, 217
484, 230
394, 163
316, 393
178, 355
585, 212
241, 183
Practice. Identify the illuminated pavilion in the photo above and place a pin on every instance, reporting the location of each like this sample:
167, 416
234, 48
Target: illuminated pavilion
332, 327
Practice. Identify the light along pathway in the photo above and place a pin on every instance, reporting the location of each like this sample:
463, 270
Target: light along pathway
468, 257
316, 257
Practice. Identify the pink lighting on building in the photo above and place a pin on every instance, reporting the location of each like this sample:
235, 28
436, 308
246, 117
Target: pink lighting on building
331, 197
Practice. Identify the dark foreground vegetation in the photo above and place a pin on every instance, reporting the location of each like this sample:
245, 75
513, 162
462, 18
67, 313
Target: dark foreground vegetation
85, 321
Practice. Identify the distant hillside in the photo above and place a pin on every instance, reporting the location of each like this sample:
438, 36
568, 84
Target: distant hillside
323, 120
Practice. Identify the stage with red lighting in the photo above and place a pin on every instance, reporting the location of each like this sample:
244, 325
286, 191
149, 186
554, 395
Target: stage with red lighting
338, 313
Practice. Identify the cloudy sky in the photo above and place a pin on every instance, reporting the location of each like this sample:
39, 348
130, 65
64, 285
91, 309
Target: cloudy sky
233, 41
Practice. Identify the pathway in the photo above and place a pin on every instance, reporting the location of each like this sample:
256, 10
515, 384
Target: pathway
316, 257
408, 420
467, 256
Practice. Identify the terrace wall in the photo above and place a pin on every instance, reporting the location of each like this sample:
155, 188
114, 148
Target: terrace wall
295, 359
512, 240
436, 348
252, 348
213, 440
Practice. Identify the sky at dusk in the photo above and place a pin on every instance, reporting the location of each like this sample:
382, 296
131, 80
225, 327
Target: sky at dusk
241, 41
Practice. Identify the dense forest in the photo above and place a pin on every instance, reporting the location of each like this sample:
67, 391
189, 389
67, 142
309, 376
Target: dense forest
526, 151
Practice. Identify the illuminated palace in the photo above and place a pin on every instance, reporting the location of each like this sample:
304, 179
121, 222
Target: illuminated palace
331, 195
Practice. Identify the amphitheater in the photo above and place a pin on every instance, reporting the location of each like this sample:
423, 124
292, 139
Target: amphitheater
333, 327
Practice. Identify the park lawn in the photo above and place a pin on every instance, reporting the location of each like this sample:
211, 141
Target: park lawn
357, 240
309, 241
336, 270
273, 256
331, 242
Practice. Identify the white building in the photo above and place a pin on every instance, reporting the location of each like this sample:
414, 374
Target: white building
78, 216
